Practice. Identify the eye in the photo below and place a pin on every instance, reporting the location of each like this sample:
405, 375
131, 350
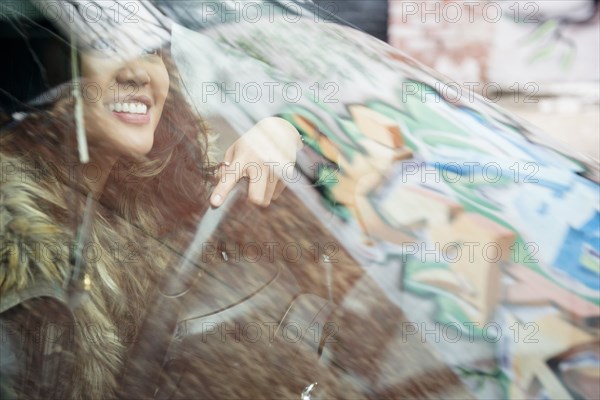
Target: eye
149, 51
103, 45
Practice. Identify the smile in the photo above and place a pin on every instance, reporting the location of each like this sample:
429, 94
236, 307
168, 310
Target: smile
131, 108
130, 113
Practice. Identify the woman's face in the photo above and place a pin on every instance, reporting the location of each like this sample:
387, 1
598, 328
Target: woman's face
121, 119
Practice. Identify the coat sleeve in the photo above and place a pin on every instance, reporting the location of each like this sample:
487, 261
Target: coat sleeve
11, 359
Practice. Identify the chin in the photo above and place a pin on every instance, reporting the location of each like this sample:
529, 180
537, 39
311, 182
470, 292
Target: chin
138, 149
137, 153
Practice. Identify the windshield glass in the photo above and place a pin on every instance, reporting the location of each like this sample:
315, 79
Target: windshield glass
242, 199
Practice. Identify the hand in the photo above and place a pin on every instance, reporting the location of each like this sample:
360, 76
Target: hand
265, 154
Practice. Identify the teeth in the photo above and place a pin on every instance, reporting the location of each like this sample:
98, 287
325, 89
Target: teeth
132, 108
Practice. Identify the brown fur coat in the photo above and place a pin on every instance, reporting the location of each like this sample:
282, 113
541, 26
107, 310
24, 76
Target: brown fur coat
36, 246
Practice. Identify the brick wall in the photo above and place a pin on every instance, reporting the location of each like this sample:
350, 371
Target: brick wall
501, 41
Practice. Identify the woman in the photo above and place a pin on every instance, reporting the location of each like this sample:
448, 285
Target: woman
147, 180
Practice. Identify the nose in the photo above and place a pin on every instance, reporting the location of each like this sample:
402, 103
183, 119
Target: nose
133, 73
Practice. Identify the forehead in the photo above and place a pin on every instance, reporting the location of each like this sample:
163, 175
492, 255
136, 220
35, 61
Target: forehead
127, 25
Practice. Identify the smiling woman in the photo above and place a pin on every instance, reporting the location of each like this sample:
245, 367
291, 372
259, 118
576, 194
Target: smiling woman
147, 180
106, 169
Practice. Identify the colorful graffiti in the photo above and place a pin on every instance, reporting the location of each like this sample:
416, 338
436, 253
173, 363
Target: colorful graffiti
514, 218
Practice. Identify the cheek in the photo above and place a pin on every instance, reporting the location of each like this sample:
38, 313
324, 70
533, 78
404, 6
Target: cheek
162, 85
161, 91
97, 75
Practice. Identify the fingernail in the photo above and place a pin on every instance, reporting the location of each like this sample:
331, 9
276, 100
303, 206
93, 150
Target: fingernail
216, 200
